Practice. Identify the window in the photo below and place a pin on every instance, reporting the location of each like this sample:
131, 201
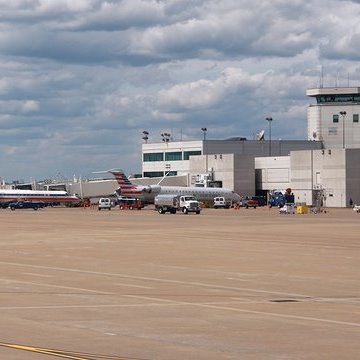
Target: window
355, 118
341, 98
153, 174
172, 156
187, 154
153, 157
335, 118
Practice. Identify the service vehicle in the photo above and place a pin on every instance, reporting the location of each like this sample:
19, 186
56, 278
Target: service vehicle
280, 198
129, 203
261, 200
356, 208
104, 203
23, 204
173, 203
247, 202
287, 209
221, 202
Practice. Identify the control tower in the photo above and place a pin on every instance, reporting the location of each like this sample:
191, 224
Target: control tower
334, 119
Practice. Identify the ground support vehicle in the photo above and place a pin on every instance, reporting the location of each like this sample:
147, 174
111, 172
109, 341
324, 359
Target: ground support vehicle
5, 204
287, 209
356, 208
221, 202
261, 200
127, 203
104, 203
247, 202
35, 205
279, 198
173, 203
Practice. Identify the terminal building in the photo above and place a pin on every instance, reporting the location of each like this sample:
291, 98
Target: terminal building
326, 166
323, 167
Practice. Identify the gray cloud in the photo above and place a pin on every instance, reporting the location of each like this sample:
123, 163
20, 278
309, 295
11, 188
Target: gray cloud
80, 80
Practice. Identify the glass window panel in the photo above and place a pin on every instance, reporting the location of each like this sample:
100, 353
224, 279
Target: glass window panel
173, 156
153, 174
153, 157
187, 154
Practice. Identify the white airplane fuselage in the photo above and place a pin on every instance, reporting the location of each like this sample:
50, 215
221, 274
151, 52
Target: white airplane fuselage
203, 194
36, 195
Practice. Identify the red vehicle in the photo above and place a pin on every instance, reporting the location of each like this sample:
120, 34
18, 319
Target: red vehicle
247, 202
130, 203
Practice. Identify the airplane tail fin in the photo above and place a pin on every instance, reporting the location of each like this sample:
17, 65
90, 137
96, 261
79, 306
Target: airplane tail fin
126, 186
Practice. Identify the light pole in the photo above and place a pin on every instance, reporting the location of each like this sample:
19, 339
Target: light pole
269, 120
166, 137
204, 130
145, 136
343, 115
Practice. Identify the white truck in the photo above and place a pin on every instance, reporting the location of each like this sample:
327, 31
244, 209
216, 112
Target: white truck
221, 202
173, 203
104, 203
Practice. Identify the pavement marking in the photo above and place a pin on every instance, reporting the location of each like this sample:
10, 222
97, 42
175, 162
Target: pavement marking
39, 307
57, 286
170, 281
40, 275
217, 307
135, 286
64, 353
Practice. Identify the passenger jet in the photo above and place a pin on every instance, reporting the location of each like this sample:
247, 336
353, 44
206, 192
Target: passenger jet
7, 195
148, 193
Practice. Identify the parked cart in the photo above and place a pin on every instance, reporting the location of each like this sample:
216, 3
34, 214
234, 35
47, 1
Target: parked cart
287, 209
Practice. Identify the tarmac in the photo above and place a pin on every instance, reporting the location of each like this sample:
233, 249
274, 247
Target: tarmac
226, 284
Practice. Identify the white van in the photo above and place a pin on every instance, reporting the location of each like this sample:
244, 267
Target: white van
221, 202
104, 203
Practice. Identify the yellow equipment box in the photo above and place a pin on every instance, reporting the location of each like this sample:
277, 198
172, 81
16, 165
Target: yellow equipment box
301, 209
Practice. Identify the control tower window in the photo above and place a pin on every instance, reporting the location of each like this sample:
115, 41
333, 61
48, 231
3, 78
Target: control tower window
342, 98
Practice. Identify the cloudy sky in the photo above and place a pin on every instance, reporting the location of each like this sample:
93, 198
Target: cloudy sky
81, 79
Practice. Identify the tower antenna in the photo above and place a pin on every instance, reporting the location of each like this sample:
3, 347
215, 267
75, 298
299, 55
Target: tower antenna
322, 77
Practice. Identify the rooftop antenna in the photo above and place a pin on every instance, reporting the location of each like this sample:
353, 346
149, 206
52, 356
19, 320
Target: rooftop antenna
322, 77
337, 79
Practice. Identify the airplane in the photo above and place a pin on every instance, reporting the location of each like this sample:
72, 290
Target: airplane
148, 193
8, 195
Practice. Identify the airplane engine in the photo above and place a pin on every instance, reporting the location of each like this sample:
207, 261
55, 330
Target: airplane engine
151, 189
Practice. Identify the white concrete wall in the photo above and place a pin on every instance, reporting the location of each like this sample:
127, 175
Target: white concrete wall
301, 163
319, 169
236, 172
329, 169
320, 121
182, 167
272, 173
